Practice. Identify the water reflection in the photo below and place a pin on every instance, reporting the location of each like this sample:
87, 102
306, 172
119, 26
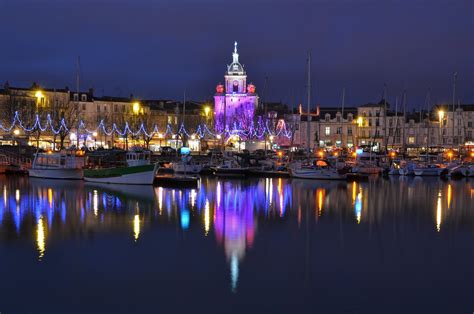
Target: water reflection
231, 213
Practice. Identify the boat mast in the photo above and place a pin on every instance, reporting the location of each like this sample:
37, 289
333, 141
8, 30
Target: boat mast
404, 119
342, 113
385, 118
428, 124
455, 75
308, 127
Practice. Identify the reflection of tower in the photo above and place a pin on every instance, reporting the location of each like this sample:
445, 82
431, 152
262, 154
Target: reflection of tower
235, 99
234, 224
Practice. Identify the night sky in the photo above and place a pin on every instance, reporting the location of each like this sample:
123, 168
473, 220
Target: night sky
158, 49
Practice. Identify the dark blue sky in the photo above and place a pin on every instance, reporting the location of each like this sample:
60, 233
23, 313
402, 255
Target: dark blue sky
154, 48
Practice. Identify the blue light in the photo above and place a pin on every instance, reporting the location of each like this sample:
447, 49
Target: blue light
185, 151
359, 151
185, 219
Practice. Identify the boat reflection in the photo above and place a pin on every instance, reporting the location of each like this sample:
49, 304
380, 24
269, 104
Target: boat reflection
228, 212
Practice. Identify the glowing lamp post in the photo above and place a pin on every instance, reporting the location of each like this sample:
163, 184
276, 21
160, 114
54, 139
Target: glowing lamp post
441, 117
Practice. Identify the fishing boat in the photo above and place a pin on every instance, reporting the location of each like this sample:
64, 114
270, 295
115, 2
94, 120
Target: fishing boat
64, 165
321, 170
120, 167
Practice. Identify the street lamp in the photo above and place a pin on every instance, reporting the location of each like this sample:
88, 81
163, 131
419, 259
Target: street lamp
16, 132
207, 110
441, 117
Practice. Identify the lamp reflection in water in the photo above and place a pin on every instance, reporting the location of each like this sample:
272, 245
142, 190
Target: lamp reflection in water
357, 200
136, 227
438, 213
95, 202
320, 200
449, 195
40, 238
207, 217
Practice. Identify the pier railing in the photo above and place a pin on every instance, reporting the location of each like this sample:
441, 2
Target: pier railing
16, 159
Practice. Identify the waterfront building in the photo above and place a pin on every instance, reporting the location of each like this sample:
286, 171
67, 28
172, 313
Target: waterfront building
235, 102
336, 128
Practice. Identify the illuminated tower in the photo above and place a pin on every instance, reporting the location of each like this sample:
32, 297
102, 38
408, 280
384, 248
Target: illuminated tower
235, 102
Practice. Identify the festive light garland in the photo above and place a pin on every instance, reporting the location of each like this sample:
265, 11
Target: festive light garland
259, 131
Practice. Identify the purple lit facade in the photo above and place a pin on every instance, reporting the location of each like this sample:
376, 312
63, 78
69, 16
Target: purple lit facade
235, 102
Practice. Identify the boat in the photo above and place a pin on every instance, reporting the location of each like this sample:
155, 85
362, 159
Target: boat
63, 165
368, 163
463, 170
230, 168
430, 170
320, 170
185, 165
120, 167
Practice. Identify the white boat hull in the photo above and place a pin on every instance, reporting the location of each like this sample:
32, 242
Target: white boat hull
61, 174
143, 178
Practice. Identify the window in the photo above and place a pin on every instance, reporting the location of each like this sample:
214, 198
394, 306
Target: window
469, 135
339, 130
83, 106
98, 108
390, 132
377, 123
327, 130
469, 124
327, 117
338, 119
349, 131
411, 140
75, 97
115, 108
350, 117
83, 97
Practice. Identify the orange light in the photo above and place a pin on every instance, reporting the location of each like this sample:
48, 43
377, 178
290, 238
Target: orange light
320, 154
472, 154
336, 154
280, 154
392, 154
354, 154
50, 152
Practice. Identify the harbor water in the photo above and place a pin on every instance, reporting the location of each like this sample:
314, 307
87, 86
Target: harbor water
261, 245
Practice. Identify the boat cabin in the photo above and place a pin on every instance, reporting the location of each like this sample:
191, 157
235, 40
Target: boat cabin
68, 159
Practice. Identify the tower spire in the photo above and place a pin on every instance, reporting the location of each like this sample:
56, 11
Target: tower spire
235, 55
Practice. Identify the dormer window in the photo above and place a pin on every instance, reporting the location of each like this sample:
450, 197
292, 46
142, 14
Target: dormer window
83, 97
327, 117
350, 117
75, 97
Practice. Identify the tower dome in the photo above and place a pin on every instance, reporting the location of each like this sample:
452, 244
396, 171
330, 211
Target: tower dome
235, 68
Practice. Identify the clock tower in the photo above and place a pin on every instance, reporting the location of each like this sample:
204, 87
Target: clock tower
235, 102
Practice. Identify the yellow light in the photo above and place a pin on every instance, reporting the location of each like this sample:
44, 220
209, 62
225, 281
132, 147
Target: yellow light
94, 134
321, 154
136, 227
160, 135
39, 94
472, 154
271, 138
136, 108
360, 121
280, 154
40, 238
218, 136
336, 154
354, 154
16, 132
193, 137
441, 114
207, 110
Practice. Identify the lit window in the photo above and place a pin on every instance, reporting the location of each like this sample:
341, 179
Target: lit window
411, 140
328, 130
